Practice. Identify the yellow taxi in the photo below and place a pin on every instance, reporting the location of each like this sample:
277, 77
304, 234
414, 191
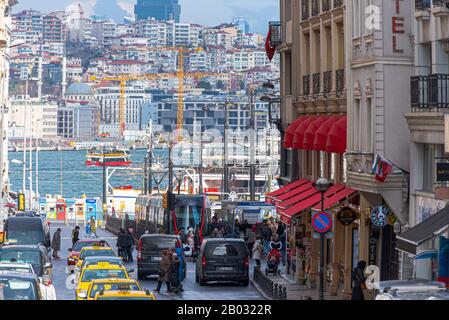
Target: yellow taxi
106, 285
125, 295
93, 252
102, 270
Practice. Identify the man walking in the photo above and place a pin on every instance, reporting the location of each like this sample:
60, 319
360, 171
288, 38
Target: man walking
121, 244
93, 228
129, 246
75, 235
56, 244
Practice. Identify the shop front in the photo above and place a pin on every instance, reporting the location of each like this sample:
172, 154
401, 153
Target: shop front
295, 204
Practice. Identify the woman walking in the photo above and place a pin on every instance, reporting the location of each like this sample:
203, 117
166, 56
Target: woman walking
257, 251
358, 276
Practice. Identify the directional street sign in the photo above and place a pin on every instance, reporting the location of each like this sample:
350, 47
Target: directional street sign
322, 222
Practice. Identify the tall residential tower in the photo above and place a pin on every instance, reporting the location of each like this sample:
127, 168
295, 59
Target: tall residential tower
161, 10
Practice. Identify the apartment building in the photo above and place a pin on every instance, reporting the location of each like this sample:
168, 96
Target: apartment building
421, 243
78, 121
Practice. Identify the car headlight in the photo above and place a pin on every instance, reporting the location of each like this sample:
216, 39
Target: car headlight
384, 296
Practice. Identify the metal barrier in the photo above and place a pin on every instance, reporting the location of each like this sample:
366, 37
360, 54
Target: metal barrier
268, 286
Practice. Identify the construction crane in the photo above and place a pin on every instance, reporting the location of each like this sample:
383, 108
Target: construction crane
123, 79
81, 11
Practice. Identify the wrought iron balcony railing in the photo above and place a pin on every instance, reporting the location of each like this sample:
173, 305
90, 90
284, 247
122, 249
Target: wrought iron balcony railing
305, 10
306, 85
315, 8
316, 79
431, 91
340, 81
441, 3
422, 5
275, 33
338, 3
327, 82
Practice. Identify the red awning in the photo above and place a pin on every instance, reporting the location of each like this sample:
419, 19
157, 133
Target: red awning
321, 134
310, 133
298, 139
290, 132
336, 140
271, 196
337, 198
311, 201
286, 220
310, 191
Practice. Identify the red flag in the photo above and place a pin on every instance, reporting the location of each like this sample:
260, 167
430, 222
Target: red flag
268, 48
381, 168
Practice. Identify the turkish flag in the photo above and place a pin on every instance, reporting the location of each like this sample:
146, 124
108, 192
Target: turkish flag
268, 48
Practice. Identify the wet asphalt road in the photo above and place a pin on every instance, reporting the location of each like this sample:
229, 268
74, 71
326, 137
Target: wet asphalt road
64, 285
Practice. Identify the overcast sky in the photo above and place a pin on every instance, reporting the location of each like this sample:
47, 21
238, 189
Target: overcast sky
207, 12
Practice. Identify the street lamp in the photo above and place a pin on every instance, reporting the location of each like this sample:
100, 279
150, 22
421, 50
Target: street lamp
322, 185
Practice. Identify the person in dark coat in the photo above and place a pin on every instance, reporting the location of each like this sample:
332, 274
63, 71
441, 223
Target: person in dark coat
164, 270
280, 230
359, 279
75, 235
173, 275
244, 226
129, 246
121, 244
56, 244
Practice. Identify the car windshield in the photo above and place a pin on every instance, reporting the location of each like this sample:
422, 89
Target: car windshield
225, 250
158, 243
113, 286
114, 262
14, 289
90, 275
81, 244
16, 269
24, 237
22, 256
94, 253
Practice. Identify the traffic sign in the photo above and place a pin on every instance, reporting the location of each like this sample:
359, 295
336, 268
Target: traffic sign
322, 222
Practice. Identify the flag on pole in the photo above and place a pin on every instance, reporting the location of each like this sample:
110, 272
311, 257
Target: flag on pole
268, 48
381, 168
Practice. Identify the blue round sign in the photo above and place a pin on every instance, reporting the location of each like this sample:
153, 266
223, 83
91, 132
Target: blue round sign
322, 222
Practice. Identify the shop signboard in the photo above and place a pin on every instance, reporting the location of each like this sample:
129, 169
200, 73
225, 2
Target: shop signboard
372, 259
379, 216
346, 216
442, 171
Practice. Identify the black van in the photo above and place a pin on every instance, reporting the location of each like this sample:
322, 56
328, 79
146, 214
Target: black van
26, 230
223, 260
149, 252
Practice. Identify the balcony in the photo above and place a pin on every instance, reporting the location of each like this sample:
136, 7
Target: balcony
440, 7
326, 5
316, 82
305, 10
327, 83
306, 85
422, 9
315, 8
430, 92
340, 82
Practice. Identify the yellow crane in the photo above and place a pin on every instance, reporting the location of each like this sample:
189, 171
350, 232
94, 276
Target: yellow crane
123, 79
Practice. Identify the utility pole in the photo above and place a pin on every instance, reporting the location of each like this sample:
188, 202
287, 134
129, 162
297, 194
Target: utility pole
201, 191
170, 187
225, 152
145, 175
150, 165
252, 162
25, 119
31, 160
37, 174
105, 187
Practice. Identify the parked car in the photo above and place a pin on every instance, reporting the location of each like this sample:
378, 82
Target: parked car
19, 286
27, 230
416, 289
149, 252
223, 260
36, 255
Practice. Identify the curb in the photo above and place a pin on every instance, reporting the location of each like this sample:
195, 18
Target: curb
255, 285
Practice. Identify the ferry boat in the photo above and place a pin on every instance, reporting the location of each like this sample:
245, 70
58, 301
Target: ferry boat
113, 157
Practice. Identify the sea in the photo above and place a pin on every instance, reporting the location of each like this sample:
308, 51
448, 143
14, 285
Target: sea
65, 173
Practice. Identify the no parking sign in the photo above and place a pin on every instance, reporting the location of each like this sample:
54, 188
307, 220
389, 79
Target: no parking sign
322, 222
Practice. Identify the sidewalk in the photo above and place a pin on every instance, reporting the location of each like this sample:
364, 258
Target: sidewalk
294, 291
